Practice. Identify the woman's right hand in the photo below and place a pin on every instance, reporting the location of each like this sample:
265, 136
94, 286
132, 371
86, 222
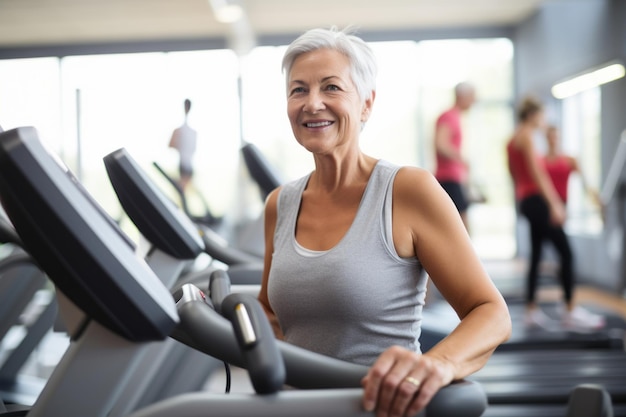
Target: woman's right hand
402, 382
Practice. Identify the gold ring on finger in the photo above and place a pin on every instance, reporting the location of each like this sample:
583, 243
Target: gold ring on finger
413, 381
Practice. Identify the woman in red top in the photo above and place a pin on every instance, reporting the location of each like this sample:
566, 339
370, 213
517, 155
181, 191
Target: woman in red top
540, 202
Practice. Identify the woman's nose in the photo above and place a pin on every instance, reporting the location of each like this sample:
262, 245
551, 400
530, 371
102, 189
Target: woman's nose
313, 102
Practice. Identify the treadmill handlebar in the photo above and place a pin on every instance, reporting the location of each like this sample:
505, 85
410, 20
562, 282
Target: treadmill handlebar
202, 328
216, 247
256, 342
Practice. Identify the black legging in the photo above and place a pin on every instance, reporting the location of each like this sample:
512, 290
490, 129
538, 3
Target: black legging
535, 209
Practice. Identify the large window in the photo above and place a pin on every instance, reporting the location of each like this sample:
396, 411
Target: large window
136, 100
581, 139
85, 107
30, 96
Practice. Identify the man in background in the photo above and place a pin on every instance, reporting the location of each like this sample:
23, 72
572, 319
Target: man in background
451, 169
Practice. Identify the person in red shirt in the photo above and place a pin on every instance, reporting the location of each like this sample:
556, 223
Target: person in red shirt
540, 202
451, 169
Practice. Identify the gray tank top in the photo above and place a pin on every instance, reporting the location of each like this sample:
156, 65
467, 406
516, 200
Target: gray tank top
357, 299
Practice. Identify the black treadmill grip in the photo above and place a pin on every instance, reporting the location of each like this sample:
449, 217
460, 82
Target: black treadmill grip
257, 343
219, 288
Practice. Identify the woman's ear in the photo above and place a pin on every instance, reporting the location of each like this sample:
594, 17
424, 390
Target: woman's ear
367, 107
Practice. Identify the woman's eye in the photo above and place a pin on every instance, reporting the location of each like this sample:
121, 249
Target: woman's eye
297, 90
332, 87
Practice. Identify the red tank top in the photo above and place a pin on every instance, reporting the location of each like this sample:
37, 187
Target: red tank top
448, 169
559, 169
523, 181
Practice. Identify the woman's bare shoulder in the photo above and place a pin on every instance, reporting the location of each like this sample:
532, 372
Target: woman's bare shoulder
414, 181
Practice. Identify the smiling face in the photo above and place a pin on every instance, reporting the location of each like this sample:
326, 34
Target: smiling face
323, 105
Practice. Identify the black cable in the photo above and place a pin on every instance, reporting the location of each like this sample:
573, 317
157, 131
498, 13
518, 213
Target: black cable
227, 369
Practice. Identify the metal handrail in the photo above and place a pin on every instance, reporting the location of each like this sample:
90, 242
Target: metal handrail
615, 171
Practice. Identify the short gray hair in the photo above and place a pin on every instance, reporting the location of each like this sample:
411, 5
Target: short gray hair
362, 60
464, 88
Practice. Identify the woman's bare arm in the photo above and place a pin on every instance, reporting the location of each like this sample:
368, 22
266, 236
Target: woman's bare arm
427, 224
270, 225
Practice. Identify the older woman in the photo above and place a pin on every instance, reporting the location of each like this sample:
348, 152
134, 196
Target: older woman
345, 244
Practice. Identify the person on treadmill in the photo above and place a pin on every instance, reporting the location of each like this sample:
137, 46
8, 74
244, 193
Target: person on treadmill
346, 245
184, 139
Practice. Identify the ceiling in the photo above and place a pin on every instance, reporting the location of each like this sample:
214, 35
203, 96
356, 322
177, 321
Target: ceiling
54, 22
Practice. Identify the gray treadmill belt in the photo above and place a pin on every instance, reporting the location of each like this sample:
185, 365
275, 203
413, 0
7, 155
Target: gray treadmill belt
605, 339
548, 376
538, 372
574, 364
